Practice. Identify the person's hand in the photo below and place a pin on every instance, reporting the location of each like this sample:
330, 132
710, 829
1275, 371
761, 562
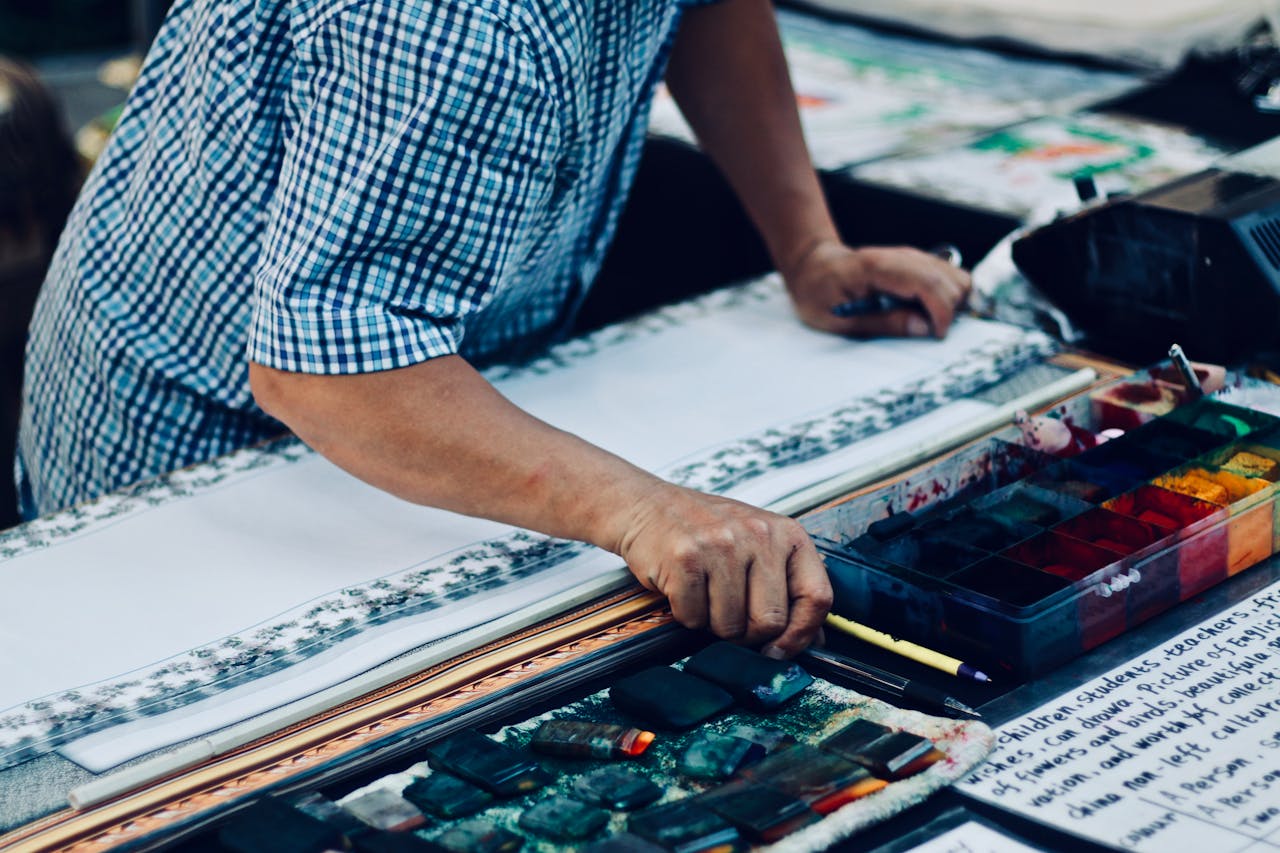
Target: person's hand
830, 274
747, 574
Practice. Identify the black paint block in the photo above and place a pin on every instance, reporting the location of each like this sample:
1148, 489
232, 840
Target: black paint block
497, 768
685, 826
445, 795
563, 819
616, 788
272, 825
668, 698
755, 681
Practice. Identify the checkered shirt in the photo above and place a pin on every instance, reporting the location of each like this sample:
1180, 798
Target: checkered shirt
328, 186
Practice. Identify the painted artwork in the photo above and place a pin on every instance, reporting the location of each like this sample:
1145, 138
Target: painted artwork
864, 95
1023, 169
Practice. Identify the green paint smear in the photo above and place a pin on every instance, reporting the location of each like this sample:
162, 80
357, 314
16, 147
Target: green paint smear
912, 112
1012, 143
892, 70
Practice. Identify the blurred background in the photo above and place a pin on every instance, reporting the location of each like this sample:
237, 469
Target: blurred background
65, 69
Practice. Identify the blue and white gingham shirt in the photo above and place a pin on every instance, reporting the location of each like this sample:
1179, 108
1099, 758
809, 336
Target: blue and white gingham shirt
328, 186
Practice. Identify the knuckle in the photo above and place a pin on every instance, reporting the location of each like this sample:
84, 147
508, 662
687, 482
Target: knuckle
686, 553
759, 527
796, 529
873, 264
795, 535
719, 540
730, 629
769, 623
821, 596
691, 575
694, 621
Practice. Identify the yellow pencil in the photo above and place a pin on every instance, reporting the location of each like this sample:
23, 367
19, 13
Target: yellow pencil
907, 649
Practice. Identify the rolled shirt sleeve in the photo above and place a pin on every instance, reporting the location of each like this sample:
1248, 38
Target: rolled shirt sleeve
419, 155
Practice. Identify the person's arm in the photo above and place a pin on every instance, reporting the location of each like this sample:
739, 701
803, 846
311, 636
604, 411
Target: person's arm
414, 171
437, 433
729, 76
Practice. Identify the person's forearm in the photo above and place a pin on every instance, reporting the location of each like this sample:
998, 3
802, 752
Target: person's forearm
438, 434
729, 76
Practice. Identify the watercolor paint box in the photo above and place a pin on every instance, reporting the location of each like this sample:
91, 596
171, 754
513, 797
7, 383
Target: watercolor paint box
1019, 561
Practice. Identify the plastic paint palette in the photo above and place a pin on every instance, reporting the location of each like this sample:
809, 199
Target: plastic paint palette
1033, 560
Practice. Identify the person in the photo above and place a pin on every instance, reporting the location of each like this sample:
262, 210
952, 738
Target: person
330, 213
39, 178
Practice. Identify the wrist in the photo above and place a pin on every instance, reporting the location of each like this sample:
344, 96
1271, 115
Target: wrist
621, 508
792, 261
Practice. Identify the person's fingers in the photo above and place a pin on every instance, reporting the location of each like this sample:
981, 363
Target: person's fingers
767, 597
932, 286
965, 279
745, 573
727, 582
810, 592
911, 274
686, 592
903, 323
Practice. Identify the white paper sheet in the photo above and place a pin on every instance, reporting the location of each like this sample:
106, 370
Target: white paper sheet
1177, 749
265, 576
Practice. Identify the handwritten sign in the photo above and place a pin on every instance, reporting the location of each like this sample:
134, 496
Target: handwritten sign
1177, 749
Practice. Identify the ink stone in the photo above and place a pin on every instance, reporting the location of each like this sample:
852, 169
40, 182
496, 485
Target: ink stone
583, 739
763, 814
383, 808
446, 796
713, 756
668, 698
852, 738
822, 780
322, 808
685, 826
382, 841
624, 843
271, 825
770, 739
498, 769
616, 788
479, 836
563, 819
898, 755
755, 681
